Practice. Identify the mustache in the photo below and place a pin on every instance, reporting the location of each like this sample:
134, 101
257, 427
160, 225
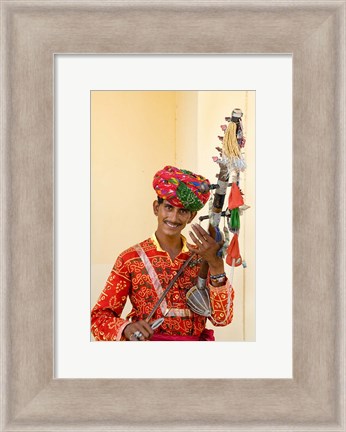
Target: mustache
173, 223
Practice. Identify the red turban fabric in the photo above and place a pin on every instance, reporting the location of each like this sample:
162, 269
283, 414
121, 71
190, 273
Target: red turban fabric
182, 188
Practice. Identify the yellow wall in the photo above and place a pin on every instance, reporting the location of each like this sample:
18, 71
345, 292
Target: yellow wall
134, 134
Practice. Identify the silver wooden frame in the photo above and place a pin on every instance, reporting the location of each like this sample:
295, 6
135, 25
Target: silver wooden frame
31, 32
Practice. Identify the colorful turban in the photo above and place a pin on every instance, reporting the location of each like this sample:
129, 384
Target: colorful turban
181, 188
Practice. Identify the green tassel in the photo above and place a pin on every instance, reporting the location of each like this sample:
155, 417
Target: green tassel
235, 219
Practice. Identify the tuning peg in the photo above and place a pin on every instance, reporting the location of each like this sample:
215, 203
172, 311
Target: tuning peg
237, 113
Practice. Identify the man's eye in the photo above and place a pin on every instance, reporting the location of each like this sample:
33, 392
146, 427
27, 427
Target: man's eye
183, 211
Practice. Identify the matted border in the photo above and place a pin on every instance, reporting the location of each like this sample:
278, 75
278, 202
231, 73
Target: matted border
32, 32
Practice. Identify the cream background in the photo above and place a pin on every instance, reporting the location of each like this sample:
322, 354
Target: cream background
133, 134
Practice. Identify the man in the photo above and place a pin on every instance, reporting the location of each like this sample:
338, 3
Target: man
143, 271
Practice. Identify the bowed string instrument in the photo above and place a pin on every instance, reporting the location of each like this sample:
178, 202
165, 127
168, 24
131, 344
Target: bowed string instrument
231, 162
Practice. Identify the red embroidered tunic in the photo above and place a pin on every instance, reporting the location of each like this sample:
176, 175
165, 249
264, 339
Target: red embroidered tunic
129, 277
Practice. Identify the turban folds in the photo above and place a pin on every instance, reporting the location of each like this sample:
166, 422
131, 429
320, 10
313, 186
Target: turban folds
181, 188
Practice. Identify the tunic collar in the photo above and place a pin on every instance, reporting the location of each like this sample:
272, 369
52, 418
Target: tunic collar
159, 248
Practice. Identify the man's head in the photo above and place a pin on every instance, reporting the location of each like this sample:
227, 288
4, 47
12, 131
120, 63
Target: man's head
181, 194
181, 188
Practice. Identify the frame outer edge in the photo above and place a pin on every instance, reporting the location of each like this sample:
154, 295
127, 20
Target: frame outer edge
27, 364
5, 208
341, 194
4, 223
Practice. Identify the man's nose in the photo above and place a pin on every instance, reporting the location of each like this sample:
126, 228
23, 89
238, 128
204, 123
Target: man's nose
175, 215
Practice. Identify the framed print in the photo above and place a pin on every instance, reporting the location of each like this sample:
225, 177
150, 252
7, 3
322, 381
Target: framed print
74, 77
32, 33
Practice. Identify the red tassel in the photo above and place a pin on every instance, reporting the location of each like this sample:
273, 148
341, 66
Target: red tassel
235, 198
233, 252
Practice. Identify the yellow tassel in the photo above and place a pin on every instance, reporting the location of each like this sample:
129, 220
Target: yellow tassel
230, 143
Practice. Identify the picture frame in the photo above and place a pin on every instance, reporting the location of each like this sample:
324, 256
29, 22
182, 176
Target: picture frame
32, 33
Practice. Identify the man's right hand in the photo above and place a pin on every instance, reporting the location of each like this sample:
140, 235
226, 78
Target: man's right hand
139, 326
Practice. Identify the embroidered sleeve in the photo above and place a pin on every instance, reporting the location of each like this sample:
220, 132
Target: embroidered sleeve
221, 300
106, 323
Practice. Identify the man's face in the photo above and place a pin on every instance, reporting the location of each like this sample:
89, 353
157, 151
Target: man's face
171, 220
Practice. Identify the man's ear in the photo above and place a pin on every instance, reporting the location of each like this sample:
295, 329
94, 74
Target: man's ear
156, 207
192, 217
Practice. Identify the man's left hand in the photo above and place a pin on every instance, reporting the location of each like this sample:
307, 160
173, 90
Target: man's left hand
206, 247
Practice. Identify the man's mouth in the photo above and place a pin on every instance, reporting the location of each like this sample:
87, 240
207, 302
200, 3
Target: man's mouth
172, 225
